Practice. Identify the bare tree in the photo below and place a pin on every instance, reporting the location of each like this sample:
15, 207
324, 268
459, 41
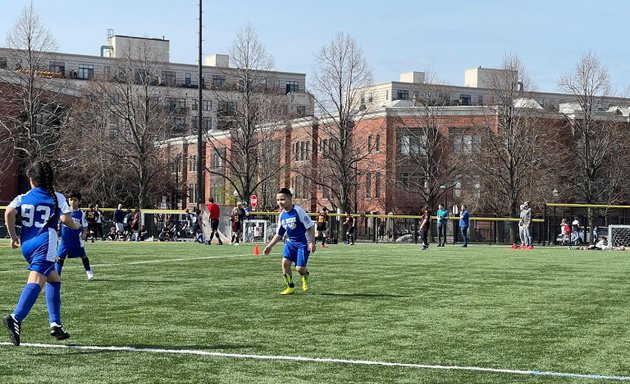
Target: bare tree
425, 157
243, 111
340, 71
512, 155
129, 115
36, 102
597, 139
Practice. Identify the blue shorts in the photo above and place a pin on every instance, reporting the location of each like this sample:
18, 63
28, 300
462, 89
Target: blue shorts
40, 252
71, 252
296, 253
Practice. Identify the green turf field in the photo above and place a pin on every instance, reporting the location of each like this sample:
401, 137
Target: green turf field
190, 313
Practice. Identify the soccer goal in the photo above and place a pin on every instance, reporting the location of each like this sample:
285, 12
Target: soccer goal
618, 235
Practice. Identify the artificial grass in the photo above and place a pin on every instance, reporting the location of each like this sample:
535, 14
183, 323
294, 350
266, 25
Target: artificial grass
548, 309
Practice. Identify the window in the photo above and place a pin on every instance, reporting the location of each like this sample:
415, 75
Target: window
377, 143
413, 144
369, 148
377, 186
227, 108
293, 86
368, 185
301, 150
187, 78
465, 99
194, 105
86, 71
480, 100
216, 160
192, 193
207, 105
206, 123
3, 62
57, 66
168, 77
404, 179
301, 110
179, 123
402, 94
308, 151
192, 163
464, 142
218, 80
175, 104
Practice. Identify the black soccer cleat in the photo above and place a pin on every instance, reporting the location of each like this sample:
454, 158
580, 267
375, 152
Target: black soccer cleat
58, 332
14, 328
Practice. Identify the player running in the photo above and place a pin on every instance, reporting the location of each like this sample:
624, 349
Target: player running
39, 209
300, 231
73, 240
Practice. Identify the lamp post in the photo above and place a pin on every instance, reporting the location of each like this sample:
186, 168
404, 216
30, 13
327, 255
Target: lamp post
235, 194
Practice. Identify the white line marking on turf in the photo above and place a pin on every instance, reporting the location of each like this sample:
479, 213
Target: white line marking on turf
325, 360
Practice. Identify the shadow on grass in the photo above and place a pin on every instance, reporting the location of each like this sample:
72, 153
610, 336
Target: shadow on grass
353, 294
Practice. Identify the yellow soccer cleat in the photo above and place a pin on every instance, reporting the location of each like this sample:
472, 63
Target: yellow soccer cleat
288, 291
305, 285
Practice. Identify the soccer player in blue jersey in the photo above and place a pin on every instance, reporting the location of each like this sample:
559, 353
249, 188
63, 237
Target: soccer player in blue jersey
73, 240
40, 210
300, 231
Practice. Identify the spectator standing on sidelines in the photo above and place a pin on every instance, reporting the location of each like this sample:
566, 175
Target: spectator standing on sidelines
99, 223
442, 222
245, 230
521, 227
90, 216
349, 224
425, 222
236, 221
527, 225
322, 226
119, 219
215, 213
464, 221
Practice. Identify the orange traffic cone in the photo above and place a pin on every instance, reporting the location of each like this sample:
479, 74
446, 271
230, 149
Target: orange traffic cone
256, 250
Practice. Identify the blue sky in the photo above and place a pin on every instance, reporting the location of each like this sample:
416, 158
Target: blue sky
441, 37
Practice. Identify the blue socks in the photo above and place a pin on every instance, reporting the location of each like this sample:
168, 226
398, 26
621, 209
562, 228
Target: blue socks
26, 302
53, 300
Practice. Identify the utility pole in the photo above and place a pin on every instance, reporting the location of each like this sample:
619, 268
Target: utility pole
201, 148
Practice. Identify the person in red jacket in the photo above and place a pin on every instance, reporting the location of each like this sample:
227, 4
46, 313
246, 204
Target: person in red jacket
215, 213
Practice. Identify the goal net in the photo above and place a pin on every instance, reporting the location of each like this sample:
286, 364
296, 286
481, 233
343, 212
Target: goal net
618, 235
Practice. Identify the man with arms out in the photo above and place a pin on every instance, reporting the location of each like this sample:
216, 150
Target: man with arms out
39, 209
72, 240
215, 212
300, 230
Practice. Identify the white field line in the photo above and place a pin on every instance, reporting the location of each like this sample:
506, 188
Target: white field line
323, 360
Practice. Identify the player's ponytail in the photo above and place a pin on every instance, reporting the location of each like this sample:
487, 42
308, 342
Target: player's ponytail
43, 176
